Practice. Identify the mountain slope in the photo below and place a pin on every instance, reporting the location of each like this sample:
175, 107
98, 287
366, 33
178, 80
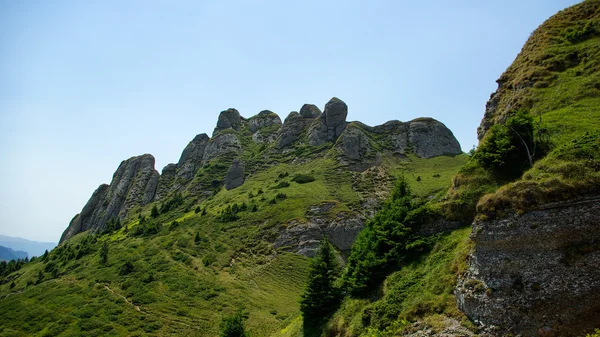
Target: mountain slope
7, 254
224, 225
530, 265
33, 248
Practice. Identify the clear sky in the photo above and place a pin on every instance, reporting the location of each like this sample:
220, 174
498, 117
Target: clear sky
87, 84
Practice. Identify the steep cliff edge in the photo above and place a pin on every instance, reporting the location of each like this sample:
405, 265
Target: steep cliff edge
133, 184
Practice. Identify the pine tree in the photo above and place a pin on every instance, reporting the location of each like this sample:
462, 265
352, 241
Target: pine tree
104, 254
321, 296
233, 325
154, 213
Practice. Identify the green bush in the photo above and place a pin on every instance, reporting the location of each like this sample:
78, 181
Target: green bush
233, 325
303, 178
126, 268
510, 148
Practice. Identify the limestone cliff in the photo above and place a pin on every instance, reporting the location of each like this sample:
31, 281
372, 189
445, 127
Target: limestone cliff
133, 184
537, 273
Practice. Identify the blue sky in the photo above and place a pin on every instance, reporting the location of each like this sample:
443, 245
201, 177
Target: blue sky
86, 84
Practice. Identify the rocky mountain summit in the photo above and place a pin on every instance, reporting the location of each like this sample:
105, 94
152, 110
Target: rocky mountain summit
243, 146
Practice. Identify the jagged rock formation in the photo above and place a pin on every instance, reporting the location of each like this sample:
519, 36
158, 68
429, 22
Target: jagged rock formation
296, 124
264, 126
222, 144
207, 163
133, 184
228, 119
538, 273
330, 124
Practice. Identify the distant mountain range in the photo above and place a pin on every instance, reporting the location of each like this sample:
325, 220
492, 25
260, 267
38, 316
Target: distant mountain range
7, 254
31, 248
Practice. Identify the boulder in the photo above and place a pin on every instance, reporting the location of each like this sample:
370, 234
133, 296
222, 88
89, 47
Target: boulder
235, 175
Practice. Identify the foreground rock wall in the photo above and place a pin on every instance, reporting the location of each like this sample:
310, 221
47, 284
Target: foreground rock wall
538, 273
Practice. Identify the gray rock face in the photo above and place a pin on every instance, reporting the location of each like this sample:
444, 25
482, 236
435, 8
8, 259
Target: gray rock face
538, 272
310, 111
83, 221
354, 148
221, 144
191, 157
293, 127
133, 184
398, 135
331, 123
264, 119
353, 143
235, 175
303, 236
431, 138
264, 127
166, 181
228, 119
336, 112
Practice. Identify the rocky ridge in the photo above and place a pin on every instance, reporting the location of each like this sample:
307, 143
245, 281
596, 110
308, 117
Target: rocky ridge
226, 159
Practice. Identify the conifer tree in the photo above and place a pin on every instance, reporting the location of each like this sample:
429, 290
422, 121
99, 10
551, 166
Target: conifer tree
321, 296
104, 254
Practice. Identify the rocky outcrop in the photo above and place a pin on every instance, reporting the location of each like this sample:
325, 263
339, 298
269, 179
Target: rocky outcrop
355, 148
431, 138
84, 220
222, 144
167, 181
264, 126
361, 146
295, 125
228, 119
133, 184
536, 274
302, 236
330, 125
235, 175
264, 119
310, 111
358, 146
191, 157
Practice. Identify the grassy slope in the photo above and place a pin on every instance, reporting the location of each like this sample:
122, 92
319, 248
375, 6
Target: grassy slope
555, 78
423, 289
563, 95
184, 287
